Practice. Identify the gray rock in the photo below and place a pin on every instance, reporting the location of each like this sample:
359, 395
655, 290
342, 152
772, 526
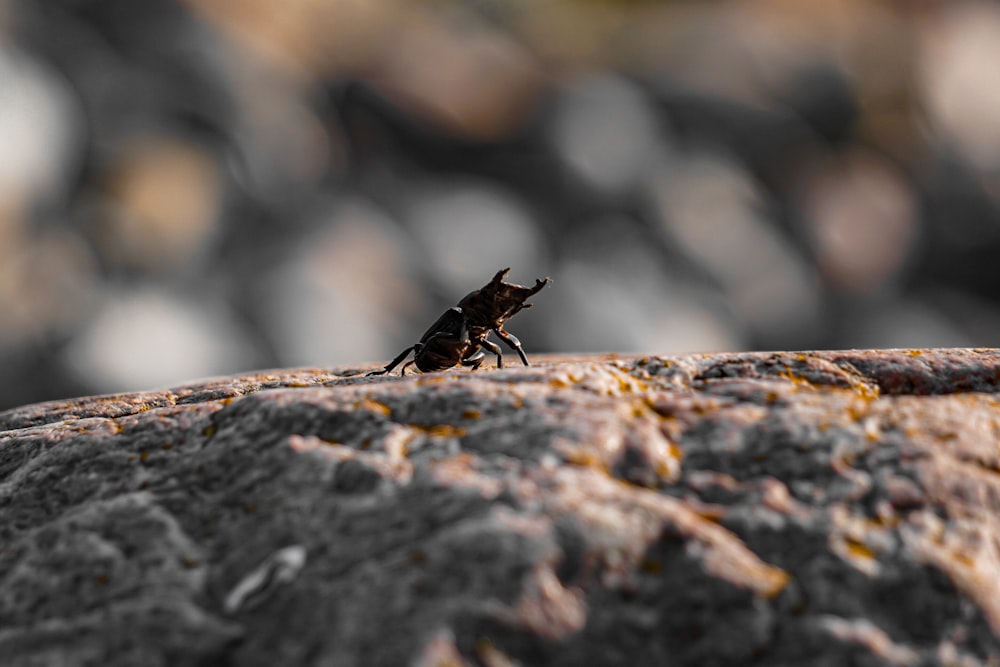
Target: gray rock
781, 509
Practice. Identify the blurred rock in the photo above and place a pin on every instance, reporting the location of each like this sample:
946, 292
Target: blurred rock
164, 198
618, 295
773, 508
47, 284
977, 318
345, 293
711, 207
860, 218
148, 337
451, 69
40, 133
902, 323
606, 132
960, 86
628, 311
280, 149
961, 230
469, 230
306, 38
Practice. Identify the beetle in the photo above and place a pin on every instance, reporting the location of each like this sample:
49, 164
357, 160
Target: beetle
457, 336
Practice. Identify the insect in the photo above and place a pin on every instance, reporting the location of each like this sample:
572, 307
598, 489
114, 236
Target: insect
457, 336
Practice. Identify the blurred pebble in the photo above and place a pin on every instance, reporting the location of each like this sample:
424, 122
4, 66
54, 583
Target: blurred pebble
164, 200
345, 293
902, 323
39, 132
600, 311
282, 150
452, 70
307, 37
960, 80
606, 132
977, 318
147, 337
613, 293
47, 283
859, 217
712, 208
468, 231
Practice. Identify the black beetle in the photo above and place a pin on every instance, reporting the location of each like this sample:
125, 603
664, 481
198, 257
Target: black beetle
459, 333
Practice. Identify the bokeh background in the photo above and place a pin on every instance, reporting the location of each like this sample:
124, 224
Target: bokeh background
199, 187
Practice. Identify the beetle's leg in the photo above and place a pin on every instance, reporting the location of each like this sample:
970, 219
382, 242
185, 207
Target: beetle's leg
402, 371
475, 360
513, 343
392, 364
495, 349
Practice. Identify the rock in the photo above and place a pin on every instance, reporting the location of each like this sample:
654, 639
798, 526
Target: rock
767, 508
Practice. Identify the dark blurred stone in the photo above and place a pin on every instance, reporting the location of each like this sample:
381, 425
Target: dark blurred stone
785, 508
961, 230
824, 99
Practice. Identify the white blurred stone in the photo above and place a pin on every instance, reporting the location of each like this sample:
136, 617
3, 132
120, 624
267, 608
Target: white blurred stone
147, 338
860, 218
38, 133
345, 294
601, 307
470, 231
960, 79
714, 210
605, 130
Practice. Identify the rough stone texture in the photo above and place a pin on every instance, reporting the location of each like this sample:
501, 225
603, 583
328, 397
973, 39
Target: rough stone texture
778, 509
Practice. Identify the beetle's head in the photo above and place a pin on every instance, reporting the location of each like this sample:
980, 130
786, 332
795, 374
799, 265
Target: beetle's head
504, 299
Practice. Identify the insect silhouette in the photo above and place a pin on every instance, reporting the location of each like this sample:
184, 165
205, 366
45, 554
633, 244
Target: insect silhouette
457, 336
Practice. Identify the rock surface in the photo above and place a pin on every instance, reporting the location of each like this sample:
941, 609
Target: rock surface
773, 508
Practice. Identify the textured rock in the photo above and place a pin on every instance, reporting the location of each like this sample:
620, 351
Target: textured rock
787, 508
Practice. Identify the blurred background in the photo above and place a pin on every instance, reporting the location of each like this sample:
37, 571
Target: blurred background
200, 187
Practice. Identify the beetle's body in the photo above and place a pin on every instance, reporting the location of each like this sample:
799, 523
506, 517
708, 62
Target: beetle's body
457, 336
445, 343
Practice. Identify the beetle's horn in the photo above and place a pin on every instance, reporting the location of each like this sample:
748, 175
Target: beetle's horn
539, 284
